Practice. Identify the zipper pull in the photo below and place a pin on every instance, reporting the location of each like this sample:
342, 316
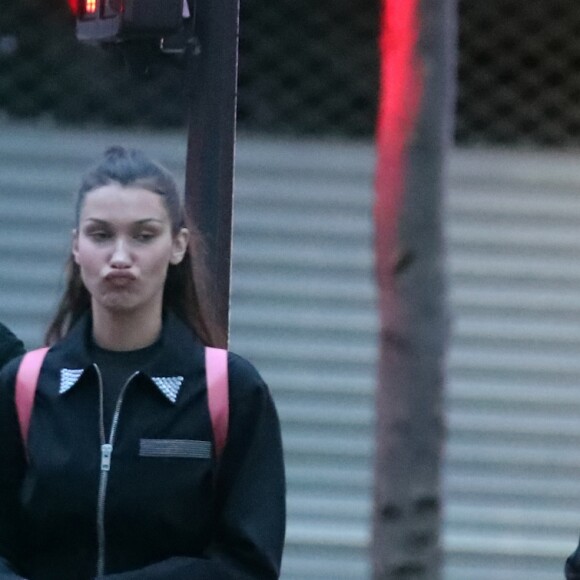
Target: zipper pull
106, 450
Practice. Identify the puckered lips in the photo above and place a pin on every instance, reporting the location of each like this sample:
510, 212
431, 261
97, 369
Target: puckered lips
120, 277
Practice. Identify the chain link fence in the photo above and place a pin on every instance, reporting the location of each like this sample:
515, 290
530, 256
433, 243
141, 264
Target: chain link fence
309, 68
519, 72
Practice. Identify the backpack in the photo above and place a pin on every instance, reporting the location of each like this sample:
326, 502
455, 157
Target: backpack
216, 371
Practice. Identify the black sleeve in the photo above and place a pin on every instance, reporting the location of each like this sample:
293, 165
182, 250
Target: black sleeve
572, 568
10, 345
250, 492
13, 465
252, 486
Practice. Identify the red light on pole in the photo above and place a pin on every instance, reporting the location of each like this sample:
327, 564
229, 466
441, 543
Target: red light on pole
90, 8
119, 20
84, 9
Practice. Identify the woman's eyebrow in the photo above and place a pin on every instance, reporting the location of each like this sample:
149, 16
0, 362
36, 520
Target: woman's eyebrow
143, 221
96, 221
147, 220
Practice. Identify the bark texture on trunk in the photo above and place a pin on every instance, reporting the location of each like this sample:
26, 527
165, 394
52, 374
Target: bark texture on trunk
413, 136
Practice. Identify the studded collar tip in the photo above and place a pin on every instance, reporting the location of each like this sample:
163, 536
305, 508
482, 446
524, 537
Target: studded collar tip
169, 386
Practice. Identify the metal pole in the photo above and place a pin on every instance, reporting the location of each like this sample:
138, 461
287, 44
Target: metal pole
211, 140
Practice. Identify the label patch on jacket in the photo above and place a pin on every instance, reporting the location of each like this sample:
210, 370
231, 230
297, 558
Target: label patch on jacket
180, 448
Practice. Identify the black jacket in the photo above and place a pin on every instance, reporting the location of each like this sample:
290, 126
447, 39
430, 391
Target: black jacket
10, 345
572, 566
165, 509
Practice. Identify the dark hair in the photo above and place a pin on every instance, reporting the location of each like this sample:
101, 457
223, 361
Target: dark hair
186, 289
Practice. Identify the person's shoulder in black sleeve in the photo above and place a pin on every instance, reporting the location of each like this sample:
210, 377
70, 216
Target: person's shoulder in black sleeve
572, 568
10, 345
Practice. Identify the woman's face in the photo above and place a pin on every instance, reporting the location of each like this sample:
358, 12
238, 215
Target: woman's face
123, 246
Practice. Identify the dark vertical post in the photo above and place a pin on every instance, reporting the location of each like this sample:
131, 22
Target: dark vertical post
413, 139
211, 141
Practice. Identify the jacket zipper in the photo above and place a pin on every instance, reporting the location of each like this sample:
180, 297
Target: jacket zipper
106, 454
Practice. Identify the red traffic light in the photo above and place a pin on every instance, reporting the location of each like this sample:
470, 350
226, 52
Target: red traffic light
114, 20
90, 8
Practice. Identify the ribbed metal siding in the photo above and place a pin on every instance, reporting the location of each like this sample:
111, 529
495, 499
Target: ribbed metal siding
513, 460
303, 306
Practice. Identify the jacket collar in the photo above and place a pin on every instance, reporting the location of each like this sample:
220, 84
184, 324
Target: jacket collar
169, 387
180, 351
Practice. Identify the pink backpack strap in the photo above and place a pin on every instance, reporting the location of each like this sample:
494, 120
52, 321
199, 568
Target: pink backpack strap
25, 390
216, 369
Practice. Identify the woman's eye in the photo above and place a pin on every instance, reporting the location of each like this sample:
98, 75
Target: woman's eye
99, 235
144, 236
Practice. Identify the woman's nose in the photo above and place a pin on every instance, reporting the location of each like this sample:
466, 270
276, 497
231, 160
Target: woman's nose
120, 257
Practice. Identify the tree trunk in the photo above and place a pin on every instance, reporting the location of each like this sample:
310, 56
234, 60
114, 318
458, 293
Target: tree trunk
413, 136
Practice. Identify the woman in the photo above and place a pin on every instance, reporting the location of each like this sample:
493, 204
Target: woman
119, 479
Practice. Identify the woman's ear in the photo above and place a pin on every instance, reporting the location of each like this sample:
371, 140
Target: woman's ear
75, 245
180, 241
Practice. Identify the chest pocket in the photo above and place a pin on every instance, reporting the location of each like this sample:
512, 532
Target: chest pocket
175, 448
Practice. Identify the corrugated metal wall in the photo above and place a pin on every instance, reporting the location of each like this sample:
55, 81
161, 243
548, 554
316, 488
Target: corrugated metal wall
513, 461
303, 306
303, 311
